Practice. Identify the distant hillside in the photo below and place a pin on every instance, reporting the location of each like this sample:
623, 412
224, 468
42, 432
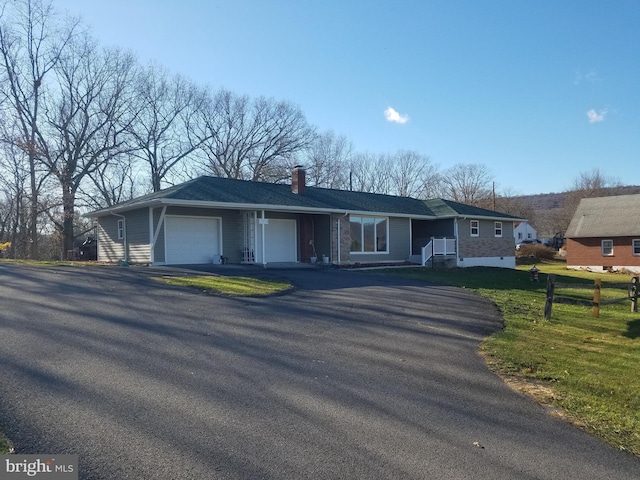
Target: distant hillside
550, 201
550, 213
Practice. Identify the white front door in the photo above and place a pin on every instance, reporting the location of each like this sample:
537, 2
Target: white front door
280, 241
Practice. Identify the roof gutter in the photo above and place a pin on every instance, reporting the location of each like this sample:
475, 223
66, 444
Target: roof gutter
245, 206
122, 208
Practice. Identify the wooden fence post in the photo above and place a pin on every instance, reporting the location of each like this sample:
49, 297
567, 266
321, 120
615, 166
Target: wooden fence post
596, 297
549, 302
635, 285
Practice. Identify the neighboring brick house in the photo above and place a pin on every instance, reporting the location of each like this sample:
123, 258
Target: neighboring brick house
214, 220
604, 234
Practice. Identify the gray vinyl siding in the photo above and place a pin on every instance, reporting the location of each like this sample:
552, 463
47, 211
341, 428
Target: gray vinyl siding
399, 244
137, 232
487, 228
441, 228
281, 215
232, 235
110, 249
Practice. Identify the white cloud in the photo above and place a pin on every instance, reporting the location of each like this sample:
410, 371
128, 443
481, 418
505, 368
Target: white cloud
392, 116
590, 77
596, 117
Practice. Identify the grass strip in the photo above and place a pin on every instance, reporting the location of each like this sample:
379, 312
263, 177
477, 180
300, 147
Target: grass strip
5, 445
242, 286
587, 367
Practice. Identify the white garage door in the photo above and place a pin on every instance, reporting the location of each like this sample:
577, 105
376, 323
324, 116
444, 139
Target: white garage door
280, 244
192, 240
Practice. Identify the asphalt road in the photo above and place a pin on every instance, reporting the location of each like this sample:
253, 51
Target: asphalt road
350, 376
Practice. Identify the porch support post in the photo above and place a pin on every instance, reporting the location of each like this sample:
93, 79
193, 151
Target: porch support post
154, 238
455, 234
262, 225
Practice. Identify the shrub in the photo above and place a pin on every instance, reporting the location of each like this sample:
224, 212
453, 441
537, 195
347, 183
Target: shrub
539, 252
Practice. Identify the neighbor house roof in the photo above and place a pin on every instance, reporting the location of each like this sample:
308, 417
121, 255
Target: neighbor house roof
617, 216
224, 192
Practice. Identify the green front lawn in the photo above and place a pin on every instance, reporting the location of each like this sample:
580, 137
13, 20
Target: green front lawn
5, 445
588, 367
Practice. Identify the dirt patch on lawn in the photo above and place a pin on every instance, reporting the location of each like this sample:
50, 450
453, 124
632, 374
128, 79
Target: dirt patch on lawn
542, 394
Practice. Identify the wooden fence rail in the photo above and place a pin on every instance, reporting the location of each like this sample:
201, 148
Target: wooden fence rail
632, 295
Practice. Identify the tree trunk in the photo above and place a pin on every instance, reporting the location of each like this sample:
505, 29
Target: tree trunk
33, 221
68, 207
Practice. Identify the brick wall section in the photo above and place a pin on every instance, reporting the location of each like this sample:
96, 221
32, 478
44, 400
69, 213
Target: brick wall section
476, 247
306, 235
588, 252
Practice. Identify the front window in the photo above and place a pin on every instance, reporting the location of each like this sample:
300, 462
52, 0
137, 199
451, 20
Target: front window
607, 248
475, 228
636, 246
498, 228
368, 234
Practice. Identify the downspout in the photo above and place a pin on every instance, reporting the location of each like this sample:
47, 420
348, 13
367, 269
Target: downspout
340, 237
124, 235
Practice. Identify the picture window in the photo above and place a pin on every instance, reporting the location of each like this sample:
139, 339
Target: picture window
369, 234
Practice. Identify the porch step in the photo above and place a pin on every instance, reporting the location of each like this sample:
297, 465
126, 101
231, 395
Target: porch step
443, 261
415, 259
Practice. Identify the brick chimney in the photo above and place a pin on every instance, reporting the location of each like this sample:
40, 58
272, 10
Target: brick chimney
298, 178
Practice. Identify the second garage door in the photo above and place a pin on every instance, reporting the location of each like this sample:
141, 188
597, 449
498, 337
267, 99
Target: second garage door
192, 240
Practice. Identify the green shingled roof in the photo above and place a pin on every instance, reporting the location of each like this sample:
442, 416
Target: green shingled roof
449, 208
225, 191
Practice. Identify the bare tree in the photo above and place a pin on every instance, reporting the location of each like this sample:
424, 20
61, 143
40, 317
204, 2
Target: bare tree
467, 183
328, 161
87, 121
586, 185
163, 131
112, 182
14, 211
370, 173
405, 173
252, 139
508, 202
413, 175
31, 43
593, 183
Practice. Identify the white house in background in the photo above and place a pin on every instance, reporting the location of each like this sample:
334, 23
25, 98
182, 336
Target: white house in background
524, 231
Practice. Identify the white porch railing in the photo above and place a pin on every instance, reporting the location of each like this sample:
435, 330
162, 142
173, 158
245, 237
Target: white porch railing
427, 253
438, 246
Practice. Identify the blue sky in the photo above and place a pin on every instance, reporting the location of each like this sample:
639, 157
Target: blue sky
538, 91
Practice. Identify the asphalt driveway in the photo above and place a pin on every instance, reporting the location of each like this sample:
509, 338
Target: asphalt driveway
350, 376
